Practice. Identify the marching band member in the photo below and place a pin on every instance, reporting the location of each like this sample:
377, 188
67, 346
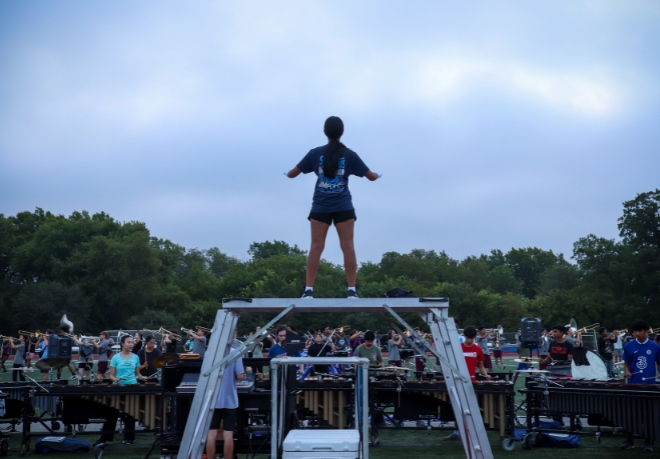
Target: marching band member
199, 343
482, 339
278, 349
124, 370
497, 350
474, 358
104, 347
560, 350
147, 355
394, 343
369, 351
85, 356
43, 345
543, 348
139, 342
6, 351
606, 348
30, 348
641, 356
64, 333
19, 358
168, 344
320, 349
618, 347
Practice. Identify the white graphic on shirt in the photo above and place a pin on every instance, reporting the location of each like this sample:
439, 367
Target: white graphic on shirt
648, 352
641, 363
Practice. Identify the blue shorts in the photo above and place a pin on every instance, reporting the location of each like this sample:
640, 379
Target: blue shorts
522, 366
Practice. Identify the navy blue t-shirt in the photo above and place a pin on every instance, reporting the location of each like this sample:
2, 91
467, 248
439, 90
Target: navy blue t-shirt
642, 360
332, 195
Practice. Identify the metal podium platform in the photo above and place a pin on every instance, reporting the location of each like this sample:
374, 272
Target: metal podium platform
434, 311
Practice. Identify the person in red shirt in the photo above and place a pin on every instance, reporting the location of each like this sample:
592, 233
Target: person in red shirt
474, 357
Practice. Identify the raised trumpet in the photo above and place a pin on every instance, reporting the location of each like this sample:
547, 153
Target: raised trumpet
188, 331
172, 334
86, 340
204, 329
3, 337
36, 334
591, 327
121, 333
152, 332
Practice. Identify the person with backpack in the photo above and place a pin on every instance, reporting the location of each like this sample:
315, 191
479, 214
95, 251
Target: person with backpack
85, 357
332, 203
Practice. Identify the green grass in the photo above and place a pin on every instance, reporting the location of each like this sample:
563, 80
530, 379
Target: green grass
394, 444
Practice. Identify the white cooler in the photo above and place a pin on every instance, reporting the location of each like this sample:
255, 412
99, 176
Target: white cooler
321, 444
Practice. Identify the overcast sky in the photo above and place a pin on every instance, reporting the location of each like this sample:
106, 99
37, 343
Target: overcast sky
495, 124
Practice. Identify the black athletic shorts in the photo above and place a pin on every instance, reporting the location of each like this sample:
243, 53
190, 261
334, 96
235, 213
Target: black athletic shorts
328, 217
227, 415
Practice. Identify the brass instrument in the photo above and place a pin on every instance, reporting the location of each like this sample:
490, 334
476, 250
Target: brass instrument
589, 328
3, 337
122, 333
152, 332
86, 340
36, 334
167, 332
188, 331
204, 329
66, 324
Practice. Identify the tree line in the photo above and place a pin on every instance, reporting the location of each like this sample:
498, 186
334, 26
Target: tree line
105, 274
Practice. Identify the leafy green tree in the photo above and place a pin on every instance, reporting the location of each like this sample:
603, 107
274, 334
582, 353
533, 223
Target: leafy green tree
41, 306
150, 319
529, 264
262, 250
122, 276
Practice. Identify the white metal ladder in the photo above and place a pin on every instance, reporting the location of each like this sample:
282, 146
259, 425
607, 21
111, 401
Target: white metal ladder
432, 310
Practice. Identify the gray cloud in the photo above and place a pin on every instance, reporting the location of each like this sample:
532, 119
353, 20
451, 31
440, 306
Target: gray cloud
495, 125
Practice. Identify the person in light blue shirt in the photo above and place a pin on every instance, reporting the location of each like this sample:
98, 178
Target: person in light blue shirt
124, 369
43, 345
124, 366
223, 422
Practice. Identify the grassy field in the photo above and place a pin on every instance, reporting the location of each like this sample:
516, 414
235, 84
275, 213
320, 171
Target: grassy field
394, 444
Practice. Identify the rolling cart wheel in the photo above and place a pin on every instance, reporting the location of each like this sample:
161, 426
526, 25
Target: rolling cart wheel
98, 451
55, 425
4, 447
527, 441
509, 444
23, 450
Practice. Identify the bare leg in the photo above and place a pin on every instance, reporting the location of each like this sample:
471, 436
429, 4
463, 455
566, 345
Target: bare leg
228, 437
319, 232
210, 443
345, 233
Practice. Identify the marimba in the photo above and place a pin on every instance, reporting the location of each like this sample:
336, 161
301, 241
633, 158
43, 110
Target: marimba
635, 408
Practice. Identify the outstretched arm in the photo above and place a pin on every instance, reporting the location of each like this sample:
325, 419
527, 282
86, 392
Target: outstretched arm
373, 176
293, 173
